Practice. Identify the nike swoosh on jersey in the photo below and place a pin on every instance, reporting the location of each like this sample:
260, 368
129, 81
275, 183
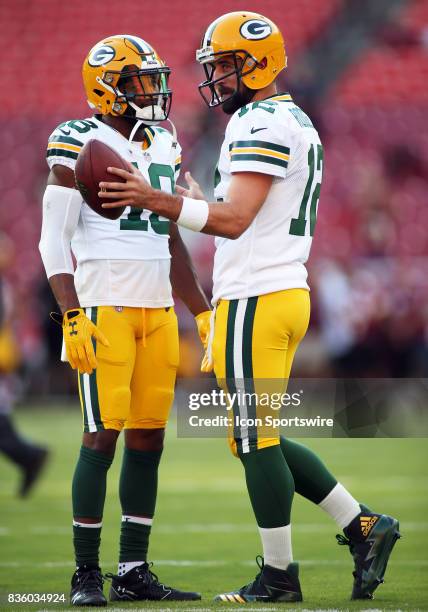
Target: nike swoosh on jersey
254, 130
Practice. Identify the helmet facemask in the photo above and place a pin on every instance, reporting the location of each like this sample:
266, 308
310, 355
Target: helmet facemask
243, 63
141, 94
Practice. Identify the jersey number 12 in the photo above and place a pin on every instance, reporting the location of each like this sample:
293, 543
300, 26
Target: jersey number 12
298, 225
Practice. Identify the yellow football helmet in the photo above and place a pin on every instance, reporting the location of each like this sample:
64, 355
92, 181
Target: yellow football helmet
124, 76
257, 47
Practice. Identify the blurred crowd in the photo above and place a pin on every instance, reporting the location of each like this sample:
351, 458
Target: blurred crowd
28, 456
368, 265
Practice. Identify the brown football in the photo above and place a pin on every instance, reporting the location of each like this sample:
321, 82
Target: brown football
91, 168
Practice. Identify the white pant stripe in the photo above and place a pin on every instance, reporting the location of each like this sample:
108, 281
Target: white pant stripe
87, 391
238, 367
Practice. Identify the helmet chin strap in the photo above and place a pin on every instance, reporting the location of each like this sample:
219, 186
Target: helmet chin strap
173, 153
134, 130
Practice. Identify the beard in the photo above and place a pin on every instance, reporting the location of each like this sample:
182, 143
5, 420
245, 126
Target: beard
239, 98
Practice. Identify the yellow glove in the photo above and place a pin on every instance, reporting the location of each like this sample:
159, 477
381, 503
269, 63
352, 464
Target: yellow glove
203, 322
9, 351
78, 331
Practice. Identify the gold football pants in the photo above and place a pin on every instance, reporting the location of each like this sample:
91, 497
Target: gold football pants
133, 385
255, 340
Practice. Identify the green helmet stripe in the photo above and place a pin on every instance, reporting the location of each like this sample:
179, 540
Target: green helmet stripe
209, 33
163, 83
137, 42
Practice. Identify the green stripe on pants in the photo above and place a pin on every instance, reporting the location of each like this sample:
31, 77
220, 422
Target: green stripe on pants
93, 378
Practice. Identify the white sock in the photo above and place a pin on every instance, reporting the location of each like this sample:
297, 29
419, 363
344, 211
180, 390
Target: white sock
125, 566
341, 506
277, 546
87, 525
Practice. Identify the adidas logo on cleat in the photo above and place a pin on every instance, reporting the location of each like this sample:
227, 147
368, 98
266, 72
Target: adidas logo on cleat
270, 585
232, 597
367, 523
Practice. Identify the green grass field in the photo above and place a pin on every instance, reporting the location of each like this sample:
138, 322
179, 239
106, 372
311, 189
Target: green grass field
204, 535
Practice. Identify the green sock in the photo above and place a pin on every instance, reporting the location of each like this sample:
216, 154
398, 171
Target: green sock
88, 495
137, 491
270, 486
86, 541
311, 477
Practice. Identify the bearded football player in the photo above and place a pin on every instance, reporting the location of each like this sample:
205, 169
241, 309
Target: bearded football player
267, 186
119, 326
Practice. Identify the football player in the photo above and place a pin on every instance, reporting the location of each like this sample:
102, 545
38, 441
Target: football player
267, 186
119, 326
29, 457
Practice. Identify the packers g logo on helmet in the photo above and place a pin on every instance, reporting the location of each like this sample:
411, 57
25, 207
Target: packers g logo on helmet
121, 59
254, 42
255, 29
101, 55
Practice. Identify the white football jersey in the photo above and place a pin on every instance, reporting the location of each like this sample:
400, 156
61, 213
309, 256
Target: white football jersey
123, 262
276, 137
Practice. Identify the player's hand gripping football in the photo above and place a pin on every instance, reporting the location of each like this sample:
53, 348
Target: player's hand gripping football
203, 322
78, 332
132, 191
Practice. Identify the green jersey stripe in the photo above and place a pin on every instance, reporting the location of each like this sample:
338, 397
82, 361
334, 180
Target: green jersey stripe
259, 158
151, 131
260, 144
66, 140
61, 153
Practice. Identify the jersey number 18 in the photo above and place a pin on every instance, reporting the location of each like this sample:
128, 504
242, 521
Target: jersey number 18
133, 220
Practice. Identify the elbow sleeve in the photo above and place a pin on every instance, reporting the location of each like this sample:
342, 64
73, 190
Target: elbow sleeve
61, 211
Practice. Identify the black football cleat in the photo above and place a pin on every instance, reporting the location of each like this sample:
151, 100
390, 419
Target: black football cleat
87, 588
32, 470
141, 584
270, 585
371, 538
